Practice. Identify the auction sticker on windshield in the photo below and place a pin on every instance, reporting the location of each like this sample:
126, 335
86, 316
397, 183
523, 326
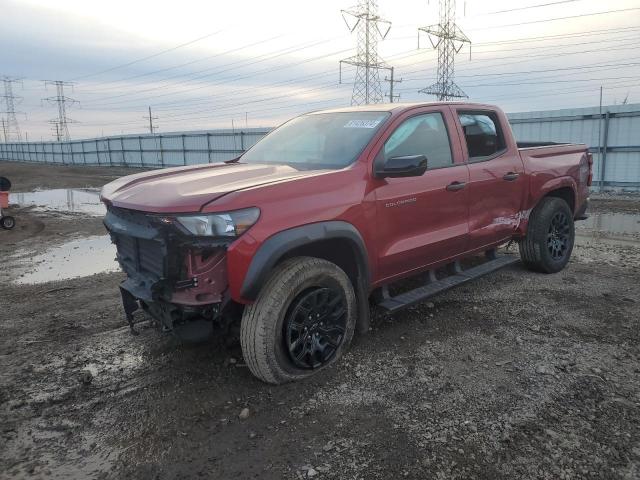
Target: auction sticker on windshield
363, 123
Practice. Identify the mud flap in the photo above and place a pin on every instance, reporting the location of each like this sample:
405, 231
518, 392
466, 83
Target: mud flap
364, 313
130, 305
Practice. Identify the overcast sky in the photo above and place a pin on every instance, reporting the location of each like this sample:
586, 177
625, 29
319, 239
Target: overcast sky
259, 63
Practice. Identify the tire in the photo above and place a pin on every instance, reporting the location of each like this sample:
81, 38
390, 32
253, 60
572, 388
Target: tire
7, 222
550, 236
272, 325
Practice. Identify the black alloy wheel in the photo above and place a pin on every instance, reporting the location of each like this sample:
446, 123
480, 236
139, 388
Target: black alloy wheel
558, 237
315, 326
7, 222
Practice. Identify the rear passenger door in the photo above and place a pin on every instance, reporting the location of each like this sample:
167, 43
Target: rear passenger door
421, 220
496, 176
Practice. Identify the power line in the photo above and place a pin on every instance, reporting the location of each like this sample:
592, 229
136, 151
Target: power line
321, 87
243, 63
526, 8
590, 33
544, 56
232, 105
369, 26
446, 33
557, 18
117, 67
231, 79
228, 79
241, 92
208, 57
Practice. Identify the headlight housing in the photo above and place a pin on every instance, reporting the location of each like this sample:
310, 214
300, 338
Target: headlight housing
227, 224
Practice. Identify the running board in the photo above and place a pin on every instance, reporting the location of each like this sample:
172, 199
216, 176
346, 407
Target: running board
403, 300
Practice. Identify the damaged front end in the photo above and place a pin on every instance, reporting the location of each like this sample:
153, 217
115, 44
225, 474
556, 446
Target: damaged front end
179, 278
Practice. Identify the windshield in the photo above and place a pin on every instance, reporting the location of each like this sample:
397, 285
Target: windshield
318, 140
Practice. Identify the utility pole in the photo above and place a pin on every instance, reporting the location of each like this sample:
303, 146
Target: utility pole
10, 100
4, 130
448, 39
364, 18
600, 138
152, 127
61, 123
392, 81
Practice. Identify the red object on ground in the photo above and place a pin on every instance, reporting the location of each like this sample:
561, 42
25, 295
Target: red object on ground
4, 199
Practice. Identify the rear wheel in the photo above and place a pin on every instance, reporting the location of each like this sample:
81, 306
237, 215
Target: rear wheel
550, 236
302, 321
7, 222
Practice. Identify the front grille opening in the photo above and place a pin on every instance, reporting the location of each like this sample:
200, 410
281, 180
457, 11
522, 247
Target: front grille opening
140, 255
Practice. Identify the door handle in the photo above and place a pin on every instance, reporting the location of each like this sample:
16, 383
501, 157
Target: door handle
455, 186
511, 176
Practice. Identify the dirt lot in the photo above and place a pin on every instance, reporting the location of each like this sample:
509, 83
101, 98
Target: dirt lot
517, 375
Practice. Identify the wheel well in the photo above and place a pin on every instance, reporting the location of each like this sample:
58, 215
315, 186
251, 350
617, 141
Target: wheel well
565, 193
340, 251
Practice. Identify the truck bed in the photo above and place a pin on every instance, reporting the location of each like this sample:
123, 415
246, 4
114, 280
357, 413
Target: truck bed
522, 145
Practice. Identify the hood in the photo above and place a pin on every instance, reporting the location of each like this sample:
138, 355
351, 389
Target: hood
188, 189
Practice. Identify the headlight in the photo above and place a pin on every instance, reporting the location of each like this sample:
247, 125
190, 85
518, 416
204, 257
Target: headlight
229, 224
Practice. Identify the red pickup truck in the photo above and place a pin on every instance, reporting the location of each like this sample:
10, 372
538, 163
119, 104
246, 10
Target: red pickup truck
295, 237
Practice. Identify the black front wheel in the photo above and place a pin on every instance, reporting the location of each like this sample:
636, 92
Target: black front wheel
7, 222
302, 321
550, 236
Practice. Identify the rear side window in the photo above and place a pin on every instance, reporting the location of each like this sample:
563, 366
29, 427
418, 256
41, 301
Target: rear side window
421, 135
482, 133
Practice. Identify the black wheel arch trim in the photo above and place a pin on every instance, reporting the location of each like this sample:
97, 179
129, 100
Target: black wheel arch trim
276, 246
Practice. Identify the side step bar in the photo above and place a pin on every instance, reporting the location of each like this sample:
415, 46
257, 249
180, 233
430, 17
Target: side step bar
459, 276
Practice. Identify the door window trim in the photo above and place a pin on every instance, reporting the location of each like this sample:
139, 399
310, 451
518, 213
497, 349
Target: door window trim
499, 131
380, 155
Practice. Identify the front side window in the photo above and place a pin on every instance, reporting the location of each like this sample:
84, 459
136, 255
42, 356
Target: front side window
482, 134
318, 140
421, 135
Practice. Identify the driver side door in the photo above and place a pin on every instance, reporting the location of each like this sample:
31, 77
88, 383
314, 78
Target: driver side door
421, 220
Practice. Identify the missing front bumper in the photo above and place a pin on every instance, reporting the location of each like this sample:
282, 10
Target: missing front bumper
189, 323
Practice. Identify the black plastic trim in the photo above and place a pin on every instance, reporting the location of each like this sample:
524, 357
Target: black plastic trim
581, 214
275, 247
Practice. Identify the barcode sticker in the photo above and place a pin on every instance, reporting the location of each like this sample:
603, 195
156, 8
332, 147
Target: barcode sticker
362, 123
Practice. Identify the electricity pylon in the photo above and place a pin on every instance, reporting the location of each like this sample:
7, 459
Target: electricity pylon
364, 19
11, 127
60, 124
449, 40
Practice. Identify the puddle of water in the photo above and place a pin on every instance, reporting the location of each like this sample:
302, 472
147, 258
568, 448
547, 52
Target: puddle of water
83, 200
78, 258
615, 223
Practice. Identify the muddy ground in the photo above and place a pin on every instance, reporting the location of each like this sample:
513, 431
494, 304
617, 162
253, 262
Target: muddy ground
516, 375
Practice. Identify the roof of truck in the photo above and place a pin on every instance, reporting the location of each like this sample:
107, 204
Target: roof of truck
388, 107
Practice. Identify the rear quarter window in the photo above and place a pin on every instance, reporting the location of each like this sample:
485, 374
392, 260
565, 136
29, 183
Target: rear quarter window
482, 133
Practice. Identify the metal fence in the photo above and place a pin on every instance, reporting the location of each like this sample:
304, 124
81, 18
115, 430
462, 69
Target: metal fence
165, 150
613, 136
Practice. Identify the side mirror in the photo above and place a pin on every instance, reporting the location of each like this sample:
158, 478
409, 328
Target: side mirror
406, 166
